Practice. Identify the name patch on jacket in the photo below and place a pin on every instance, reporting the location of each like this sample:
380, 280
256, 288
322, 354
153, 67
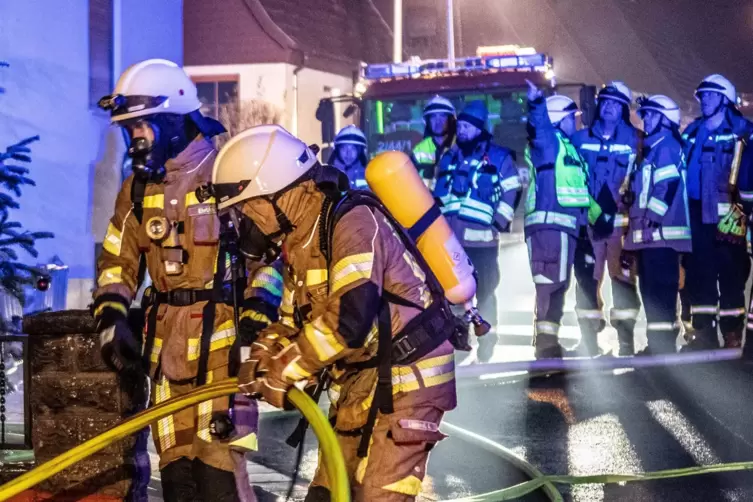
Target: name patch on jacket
201, 209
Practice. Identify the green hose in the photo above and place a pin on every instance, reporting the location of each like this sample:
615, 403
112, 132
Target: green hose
498, 449
527, 487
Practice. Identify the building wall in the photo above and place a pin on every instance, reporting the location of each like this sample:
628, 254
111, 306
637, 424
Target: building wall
314, 85
255, 81
275, 83
156, 35
47, 93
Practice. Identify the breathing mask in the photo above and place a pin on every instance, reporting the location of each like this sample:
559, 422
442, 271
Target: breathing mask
171, 135
252, 242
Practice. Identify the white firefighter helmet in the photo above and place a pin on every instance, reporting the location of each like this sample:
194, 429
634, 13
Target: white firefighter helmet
350, 135
661, 104
149, 87
558, 107
617, 91
259, 161
718, 83
438, 104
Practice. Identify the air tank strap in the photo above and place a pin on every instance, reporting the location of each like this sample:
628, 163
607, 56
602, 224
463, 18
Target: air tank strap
383, 393
424, 222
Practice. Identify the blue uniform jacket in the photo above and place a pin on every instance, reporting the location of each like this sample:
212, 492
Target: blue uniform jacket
609, 162
715, 151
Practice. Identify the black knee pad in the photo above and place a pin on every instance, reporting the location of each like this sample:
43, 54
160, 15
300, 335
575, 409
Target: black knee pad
178, 483
318, 494
215, 484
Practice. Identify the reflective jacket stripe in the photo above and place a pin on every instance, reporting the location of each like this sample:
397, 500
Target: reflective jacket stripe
551, 218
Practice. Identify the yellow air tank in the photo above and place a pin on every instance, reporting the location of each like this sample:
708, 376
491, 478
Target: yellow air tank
395, 181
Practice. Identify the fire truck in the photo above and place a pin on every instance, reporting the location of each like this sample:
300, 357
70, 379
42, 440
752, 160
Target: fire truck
389, 98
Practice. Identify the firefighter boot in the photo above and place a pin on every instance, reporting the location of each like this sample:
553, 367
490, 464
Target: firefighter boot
589, 332
547, 346
733, 339
625, 337
702, 339
661, 341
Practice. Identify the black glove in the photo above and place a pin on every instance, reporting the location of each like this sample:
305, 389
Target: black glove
120, 349
248, 330
603, 226
627, 259
250, 327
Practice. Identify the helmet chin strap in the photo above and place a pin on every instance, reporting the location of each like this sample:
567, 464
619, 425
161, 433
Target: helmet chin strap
282, 219
722, 104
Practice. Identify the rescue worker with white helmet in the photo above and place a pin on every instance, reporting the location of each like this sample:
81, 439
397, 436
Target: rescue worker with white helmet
349, 155
161, 222
558, 208
439, 133
718, 199
349, 282
659, 230
610, 147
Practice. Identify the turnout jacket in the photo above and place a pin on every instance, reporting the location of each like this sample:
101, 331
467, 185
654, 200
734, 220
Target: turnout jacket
186, 259
330, 313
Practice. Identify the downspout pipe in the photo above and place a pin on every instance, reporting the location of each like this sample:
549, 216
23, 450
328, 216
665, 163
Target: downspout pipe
301, 61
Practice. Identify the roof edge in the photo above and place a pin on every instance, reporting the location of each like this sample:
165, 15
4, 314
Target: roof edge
269, 26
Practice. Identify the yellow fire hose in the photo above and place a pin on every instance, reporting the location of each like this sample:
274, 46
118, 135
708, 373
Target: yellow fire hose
333, 457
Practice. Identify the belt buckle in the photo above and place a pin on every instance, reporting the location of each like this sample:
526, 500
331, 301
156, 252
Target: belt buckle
404, 348
182, 297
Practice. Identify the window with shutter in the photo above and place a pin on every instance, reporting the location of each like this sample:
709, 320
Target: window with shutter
100, 50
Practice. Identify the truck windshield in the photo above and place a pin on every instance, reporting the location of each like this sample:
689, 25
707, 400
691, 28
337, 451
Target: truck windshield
398, 124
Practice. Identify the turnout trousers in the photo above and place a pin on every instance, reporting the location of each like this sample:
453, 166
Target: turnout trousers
551, 254
486, 262
591, 260
716, 274
659, 280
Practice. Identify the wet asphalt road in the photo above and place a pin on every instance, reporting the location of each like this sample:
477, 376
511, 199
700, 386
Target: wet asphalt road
580, 424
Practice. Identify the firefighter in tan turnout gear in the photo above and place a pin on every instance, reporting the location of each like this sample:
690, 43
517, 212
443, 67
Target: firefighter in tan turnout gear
355, 301
190, 336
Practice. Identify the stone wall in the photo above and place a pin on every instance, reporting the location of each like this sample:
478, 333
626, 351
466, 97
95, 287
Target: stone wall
74, 397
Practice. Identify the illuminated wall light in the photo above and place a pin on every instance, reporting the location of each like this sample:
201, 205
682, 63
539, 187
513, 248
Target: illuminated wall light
359, 88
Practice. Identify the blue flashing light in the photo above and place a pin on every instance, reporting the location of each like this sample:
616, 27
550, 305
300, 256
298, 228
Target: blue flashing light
534, 62
377, 71
373, 71
503, 62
